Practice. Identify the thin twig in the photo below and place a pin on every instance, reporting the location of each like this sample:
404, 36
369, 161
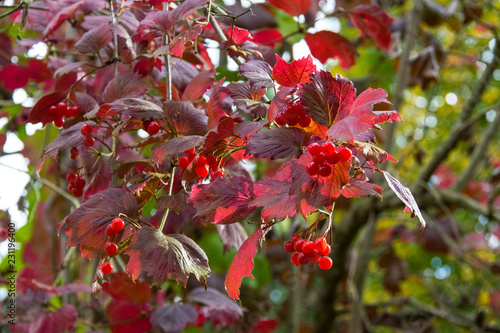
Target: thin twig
115, 36
167, 211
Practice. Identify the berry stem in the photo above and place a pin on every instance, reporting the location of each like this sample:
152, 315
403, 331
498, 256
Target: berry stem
170, 188
330, 221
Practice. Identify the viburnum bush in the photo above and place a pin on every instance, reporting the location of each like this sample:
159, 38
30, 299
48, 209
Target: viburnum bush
152, 144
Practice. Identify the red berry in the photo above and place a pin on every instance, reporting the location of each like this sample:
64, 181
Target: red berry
73, 111
202, 171
77, 192
314, 256
345, 154
295, 238
292, 119
183, 162
79, 182
289, 247
308, 247
200, 161
110, 231
153, 128
328, 148
59, 122
295, 259
333, 158
319, 159
298, 245
320, 244
61, 109
53, 110
325, 263
191, 157
106, 268
212, 160
315, 149
325, 170
110, 248
217, 173
145, 124
304, 120
71, 177
88, 141
189, 151
74, 153
326, 251
281, 119
70, 187
86, 130
117, 224
303, 258
312, 168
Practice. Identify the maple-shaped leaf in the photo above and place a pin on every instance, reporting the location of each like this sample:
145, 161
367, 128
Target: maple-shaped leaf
274, 195
223, 201
86, 225
199, 85
224, 130
292, 7
40, 111
325, 96
174, 318
231, 235
59, 321
121, 286
137, 108
124, 85
125, 316
360, 186
100, 180
238, 36
328, 44
277, 142
315, 191
258, 72
94, 40
175, 146
404, 194
186, 119
294, 73
242, 264
183, 39
166, 257
374, 22
279, 102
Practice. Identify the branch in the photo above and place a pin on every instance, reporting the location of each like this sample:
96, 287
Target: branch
168, 72
115, 37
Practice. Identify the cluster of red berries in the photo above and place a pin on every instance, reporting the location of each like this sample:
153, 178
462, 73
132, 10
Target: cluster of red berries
86, 131
61, 110
304, 251
150, 126
111, 248
76, 184
324, 156
203, 164
293, 115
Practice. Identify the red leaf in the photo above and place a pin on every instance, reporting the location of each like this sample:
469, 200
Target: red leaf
274, 195
267, 37
223, 201
124, 85
294, 73
185, 38
166, 257
137, 108
86, 225
186, 119
242, 264
100, 180
404, 194
265, 325
279, 102
173, 318
58, 321
199, 85
360, 186
128, 317
327, 44
231, 235
121, 287
146, 65
14, 76
224, 130
40, 111
67, 12
373, 21
277, 142
292, 7
215, 109
94, 40
238, 36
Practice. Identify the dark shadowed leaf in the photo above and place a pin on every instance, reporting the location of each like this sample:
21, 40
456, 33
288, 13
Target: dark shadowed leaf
404, 195
166, 257
176, 202
242, 264
125, 170
199, 85
328, 44
122, 287
124, 85
186, 119
231, 235
59, 321
175, 146
274, 195
223, 201
94, 40
40, 111
214, 300
100, 180
292, 7
86, 225
294, 73
360, 186
174, 318
278, 142
258, 72
374, 22
137, 108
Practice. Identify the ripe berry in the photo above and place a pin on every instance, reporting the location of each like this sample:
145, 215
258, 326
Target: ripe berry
106, 268
303, 258
74, 153
59, 122
308, 247
153, 128
53, 110
217, 173
325, 263
191, 157
183, 162
202, 171
61, 108
320, 244
289, 247
315, 149
298, 245
326, 251
79, 182
200, 161
72, 112
71, 177
189, 151
110, 248
212, 160
77, 191
345, 154
110, 231
319, 159
86, 130
325, 170
312, 168
295, 238
314, 256
281, 119
292, 119
88, 141
333, 158
117, 224
304, 120
295, 259
328, 148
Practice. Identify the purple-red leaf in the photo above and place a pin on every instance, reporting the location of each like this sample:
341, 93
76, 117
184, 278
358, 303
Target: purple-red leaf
328, 44
124, 85
59, 321
137, 108
217, 306
100, 180
94, 40
175, 146
360, 186
231, 235
174, 318
242, 264
294, 73
279, 102
186, 119
199, 85
278, 142
86, 225
258, 72
223, 201
166, 257
186, 37
373, 21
